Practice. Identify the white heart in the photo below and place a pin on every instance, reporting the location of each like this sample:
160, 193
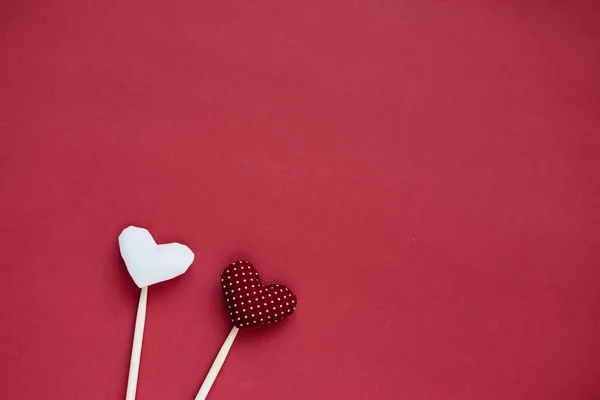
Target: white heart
149, 263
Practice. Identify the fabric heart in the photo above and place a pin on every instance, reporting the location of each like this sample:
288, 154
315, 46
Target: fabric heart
249, 302
149, 263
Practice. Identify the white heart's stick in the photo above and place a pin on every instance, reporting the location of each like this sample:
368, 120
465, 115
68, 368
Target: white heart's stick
217, 364
136, 349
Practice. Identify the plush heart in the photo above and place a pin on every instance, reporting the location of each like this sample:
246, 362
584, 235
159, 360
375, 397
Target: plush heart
249, 302
149, 263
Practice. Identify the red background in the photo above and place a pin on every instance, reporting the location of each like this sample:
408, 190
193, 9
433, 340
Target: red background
423, 174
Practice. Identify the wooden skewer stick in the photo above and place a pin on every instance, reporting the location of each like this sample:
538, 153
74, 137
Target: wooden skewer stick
217, 364
136, 349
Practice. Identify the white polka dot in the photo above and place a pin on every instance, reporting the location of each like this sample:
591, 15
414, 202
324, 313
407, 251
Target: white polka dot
238, 318
289, 310
242, 303
237, 281
245, 287
287, 304
244, 310
253, 315
265, 304
244, 280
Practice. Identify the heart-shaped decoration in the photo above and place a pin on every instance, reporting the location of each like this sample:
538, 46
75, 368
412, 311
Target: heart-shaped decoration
149, 263
249, 302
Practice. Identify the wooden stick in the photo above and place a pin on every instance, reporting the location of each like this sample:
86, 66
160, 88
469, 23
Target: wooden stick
217, 364
136, 349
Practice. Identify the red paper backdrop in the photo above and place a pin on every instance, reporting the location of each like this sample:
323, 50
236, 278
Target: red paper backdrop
423, 174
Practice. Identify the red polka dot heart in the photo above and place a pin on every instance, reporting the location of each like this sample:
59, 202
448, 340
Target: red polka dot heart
249, 302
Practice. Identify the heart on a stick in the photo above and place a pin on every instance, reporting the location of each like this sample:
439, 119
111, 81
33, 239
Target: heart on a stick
249, 302
149, 263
